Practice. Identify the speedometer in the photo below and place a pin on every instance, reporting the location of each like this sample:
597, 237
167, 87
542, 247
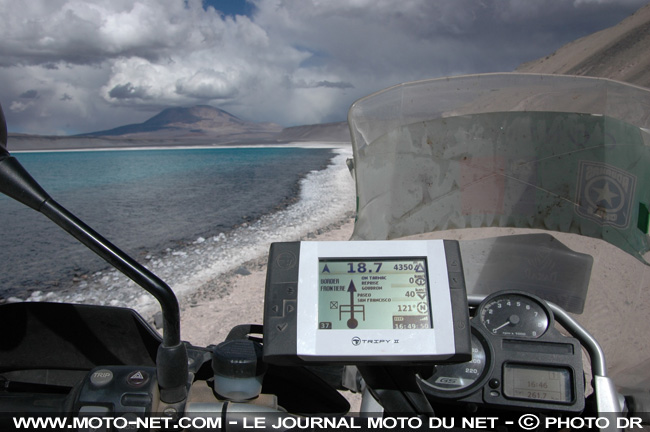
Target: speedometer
460, 376
519, 360
457, 380
514, 315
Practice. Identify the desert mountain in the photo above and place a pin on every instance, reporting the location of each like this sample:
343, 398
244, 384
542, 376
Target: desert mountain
621, 52
201, 121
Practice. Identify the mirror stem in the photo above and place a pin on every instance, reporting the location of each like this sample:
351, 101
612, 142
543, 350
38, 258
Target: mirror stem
124, 263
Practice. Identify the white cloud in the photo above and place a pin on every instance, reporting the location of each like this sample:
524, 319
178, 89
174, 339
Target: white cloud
97, 64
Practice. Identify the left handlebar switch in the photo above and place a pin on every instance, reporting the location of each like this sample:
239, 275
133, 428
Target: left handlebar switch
118, 391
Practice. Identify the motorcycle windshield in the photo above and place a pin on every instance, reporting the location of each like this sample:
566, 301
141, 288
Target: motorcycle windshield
560, 153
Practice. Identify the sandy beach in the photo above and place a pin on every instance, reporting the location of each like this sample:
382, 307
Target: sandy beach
208, 314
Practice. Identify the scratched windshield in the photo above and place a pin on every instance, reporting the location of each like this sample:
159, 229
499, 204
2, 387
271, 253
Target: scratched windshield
544, 181
505, 150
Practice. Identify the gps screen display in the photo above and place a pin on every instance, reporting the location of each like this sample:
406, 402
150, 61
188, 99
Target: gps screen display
373, 294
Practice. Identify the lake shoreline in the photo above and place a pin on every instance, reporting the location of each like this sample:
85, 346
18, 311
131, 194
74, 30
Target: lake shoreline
26, 143
295, 144
205, 261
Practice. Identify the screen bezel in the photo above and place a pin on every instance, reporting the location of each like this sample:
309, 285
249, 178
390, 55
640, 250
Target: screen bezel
393, 344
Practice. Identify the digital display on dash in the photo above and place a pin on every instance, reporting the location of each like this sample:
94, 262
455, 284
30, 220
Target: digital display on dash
375, 294
548, 384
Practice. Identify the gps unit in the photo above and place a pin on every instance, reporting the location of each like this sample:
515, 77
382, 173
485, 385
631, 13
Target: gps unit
366, 302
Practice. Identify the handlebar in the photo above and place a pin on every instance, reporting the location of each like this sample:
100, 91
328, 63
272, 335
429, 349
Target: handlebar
287, 392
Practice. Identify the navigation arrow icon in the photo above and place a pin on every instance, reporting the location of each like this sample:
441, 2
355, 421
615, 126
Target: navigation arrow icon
352, 322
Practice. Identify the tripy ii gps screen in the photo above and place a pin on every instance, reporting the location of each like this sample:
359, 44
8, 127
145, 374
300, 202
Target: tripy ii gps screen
373, 294
366, 302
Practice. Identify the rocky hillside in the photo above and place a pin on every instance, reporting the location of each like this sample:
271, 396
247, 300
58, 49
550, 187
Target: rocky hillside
621, 52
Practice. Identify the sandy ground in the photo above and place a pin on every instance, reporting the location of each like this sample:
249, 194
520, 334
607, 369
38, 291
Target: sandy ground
208, 314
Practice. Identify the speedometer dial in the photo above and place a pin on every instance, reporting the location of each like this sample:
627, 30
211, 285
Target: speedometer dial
453, 381
454, 377
514, 315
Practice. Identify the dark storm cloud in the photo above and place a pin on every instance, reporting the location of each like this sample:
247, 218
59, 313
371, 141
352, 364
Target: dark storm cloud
127, 91
29, 94
433, 38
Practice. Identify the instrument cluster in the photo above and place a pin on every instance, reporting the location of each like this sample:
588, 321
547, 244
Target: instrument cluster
518, 359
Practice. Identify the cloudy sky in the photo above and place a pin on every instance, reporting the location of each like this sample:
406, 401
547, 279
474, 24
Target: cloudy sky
74, 66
